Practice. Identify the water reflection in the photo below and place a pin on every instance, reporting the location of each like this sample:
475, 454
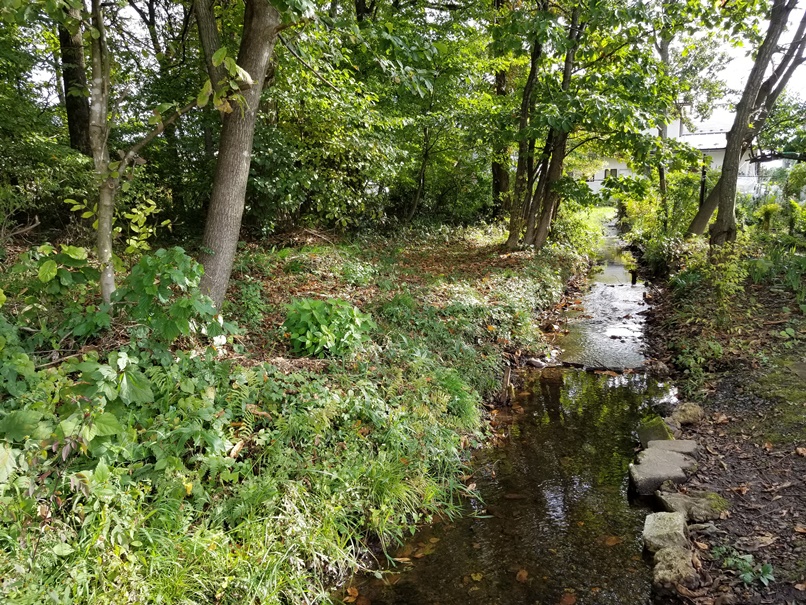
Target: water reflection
556, 519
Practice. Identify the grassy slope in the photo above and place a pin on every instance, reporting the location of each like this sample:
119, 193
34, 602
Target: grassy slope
254, 477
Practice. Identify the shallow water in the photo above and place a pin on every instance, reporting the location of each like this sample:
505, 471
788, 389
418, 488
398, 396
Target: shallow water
556, 526
607, 331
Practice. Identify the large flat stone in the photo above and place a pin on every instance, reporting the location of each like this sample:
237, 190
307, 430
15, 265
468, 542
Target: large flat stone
665, 530
664, 456
688, 447
673, 566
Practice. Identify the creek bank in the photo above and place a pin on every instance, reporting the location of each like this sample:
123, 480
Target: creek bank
752, 438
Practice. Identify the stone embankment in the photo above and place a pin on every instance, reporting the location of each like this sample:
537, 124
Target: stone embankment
661, 469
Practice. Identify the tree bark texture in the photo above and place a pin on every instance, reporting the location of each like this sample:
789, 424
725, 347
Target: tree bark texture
74, 76
723, 195
260, 29
98, 134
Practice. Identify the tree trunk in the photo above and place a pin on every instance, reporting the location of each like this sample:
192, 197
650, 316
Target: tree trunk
74, 75
723, 196
518, 197
501, 162
98, 134
550, 196
420, 176
260, 29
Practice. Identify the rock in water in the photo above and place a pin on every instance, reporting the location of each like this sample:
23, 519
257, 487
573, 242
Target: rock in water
657, 466
653, 429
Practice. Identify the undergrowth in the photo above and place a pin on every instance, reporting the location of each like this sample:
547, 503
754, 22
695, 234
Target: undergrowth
150, 452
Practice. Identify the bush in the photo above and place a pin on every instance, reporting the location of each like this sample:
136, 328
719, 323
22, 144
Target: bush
325, 327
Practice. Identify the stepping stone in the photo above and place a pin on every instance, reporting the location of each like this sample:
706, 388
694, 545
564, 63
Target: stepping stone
665, 530
653, 429
673, 567
657, 466
688, 447
696, 506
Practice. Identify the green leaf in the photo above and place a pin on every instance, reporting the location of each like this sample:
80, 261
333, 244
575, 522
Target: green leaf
47, 271
134, 388
107, 424
63, 550
101, 473
75, 252
219, 56
8, 464
2, 297
20, 424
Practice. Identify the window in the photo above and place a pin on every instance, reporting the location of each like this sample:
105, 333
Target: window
612, 172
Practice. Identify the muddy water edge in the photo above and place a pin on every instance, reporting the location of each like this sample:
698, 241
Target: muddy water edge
554, 525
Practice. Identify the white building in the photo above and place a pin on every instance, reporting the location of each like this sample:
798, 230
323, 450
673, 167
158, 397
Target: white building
710, 140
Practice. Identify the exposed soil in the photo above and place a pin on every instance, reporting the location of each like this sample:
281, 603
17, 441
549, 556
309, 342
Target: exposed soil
754, 454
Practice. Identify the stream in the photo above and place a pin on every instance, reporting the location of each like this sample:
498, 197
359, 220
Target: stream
556, 526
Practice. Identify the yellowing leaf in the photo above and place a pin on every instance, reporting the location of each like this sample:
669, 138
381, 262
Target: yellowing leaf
477, 577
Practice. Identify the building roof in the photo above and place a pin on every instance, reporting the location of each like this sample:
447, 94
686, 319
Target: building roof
706, 140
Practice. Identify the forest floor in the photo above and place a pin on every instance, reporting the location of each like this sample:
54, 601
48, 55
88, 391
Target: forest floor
753, 439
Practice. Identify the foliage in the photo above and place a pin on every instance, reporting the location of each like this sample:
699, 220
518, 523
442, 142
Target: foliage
744, 565
325, 327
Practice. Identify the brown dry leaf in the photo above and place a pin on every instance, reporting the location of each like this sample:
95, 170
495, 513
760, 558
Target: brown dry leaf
433, 540
721, 419
352, 594
612, 540
768, 446
801, 451
800, 586
401, 559
800, 529
741, 489
569, 598
701, 545
522, 576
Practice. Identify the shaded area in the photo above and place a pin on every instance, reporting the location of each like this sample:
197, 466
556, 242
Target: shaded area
607, 330
556, 526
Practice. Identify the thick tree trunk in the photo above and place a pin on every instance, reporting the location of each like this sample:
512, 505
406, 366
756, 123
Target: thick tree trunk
76, 103
260, 30
723, 196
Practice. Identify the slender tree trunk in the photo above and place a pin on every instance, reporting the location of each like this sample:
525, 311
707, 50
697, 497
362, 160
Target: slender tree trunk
98, 134
540, 190
723, 196
559, 143
663, 50
260, 29
501, 151
551, 197
420, 176
519, 193
76, 103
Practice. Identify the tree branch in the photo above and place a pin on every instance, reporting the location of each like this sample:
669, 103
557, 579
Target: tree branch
309, 67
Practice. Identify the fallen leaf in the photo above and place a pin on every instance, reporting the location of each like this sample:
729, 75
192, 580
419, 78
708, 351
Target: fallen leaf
433, 540
477, 577
800, 529
522, 576
768, 446
612, 540
801, 451
701, 545
721, 419
352, 595
800, 586
402, 559
568, 598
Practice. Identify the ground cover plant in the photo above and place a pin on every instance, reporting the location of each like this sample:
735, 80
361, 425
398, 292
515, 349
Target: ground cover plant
152, 452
